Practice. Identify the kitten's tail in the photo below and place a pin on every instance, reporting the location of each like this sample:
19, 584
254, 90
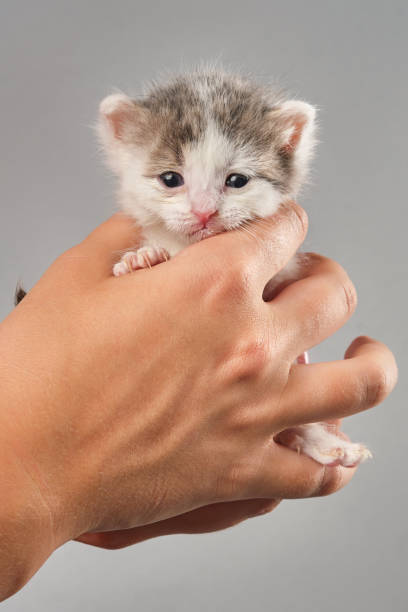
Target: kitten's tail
19, 294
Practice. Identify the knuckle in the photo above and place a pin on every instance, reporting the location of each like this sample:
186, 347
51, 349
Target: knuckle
300, 218
245, 420
335, 281
297, 217
378, 385
255, 356
344, 286
317, 481
239, 278
309, 485
350, 297
250, 359
329, 481
225, 284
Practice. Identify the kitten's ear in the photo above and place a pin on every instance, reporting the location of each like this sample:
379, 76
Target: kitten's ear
294, 121
121, 119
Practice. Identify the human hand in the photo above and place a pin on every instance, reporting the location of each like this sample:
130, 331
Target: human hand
214, 517
161, 392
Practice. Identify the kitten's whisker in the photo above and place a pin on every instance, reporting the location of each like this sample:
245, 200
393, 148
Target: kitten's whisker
247, 228
247, 232
260, 223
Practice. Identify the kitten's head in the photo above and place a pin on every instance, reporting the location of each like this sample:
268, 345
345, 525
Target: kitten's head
206, 152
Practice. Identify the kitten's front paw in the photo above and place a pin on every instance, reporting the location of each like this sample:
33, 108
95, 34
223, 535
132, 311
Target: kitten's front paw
315, 441
145, 257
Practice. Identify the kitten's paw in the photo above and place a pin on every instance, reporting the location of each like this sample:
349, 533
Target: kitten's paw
145, 257
315, 441
338, 452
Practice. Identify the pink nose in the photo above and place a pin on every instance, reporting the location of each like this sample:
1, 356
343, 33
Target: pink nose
204, 217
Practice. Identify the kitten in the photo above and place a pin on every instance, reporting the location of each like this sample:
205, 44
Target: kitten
204, 154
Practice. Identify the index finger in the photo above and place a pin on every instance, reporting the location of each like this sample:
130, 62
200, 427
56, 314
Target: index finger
339, 388
289, 475
116, 233
107, 242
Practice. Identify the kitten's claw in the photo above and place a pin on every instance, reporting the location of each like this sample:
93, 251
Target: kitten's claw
315, 441
145, 257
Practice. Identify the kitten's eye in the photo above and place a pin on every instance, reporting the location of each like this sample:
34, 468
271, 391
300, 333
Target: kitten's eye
237, 180
171, 179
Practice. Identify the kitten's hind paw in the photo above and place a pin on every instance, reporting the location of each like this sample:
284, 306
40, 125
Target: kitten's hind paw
346, 455
145, 257
317, 441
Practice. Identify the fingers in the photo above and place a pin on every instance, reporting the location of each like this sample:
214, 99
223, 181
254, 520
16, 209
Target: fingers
117, 233
290, 475
255, 252
340, 388
317, 305
213, 517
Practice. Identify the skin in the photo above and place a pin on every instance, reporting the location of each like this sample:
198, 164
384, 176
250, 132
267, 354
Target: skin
148, 404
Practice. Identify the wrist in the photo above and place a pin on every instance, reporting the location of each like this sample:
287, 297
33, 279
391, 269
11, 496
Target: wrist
32, 519
26, 530
35, 441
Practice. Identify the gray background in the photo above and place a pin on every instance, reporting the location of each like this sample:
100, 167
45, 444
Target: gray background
57, 60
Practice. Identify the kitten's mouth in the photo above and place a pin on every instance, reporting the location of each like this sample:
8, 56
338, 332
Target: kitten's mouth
202, 233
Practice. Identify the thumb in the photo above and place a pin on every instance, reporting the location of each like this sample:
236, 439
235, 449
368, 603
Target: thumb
109, 240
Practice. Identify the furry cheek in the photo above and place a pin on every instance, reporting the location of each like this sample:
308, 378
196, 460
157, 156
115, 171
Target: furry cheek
261, 199
266, 199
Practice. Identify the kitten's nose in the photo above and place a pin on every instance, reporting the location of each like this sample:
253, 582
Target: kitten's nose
204, 216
